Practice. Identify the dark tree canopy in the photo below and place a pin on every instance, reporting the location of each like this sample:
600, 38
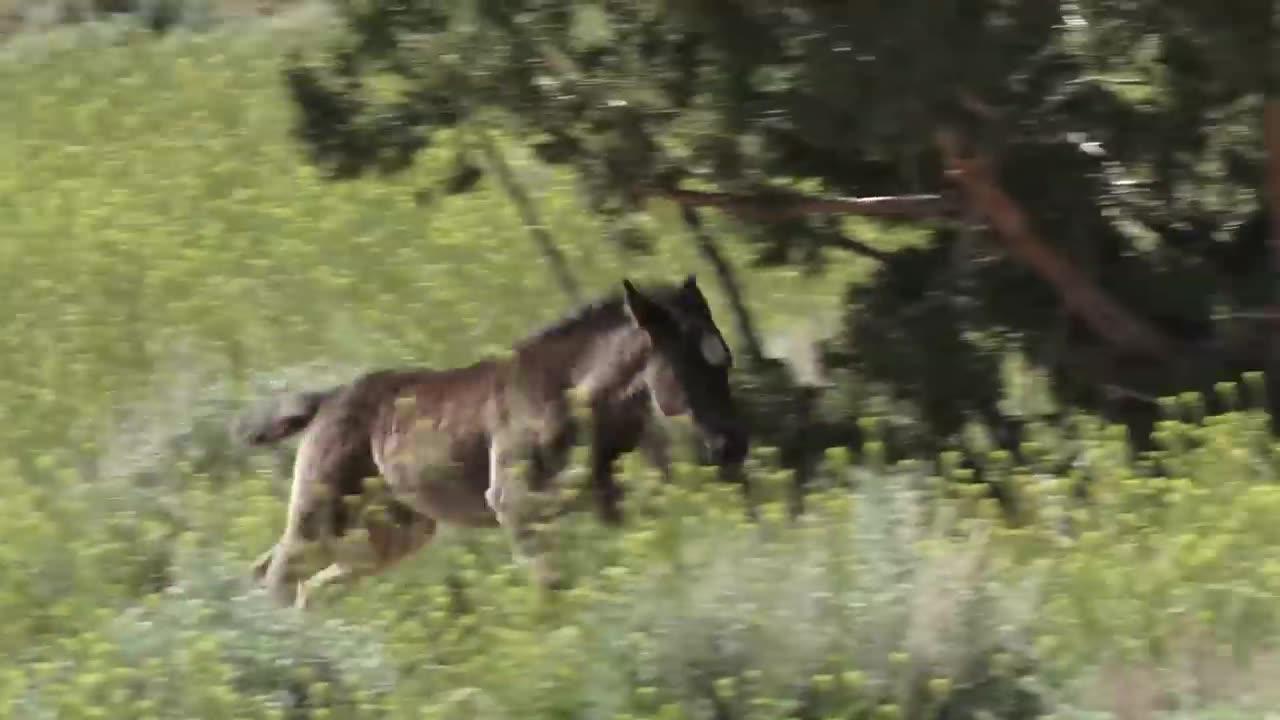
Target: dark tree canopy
1128, 133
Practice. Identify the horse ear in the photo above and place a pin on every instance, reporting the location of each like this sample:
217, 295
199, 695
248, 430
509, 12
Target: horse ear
643, 311
690, 283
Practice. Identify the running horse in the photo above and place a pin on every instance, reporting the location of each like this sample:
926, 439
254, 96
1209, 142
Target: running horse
474, 446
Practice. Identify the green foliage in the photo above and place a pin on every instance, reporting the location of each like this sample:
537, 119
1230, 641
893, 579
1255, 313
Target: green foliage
203, 246
22, 21
1129, 130
168, 252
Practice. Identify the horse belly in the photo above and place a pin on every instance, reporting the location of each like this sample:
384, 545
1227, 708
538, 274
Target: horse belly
442, 477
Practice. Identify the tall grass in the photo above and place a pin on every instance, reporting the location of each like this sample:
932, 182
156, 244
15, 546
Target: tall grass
897, 594
157, 211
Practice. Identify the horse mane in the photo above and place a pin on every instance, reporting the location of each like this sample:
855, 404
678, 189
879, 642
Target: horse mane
603, 311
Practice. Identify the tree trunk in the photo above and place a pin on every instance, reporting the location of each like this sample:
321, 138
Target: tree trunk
1271, 141
529, 216
728, 282
1110, 320
1272, 135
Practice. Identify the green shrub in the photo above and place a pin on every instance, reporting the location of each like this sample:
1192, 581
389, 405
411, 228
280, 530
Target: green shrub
895, 594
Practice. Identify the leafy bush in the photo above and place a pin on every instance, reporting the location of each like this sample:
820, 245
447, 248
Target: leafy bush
204, 648
897, 593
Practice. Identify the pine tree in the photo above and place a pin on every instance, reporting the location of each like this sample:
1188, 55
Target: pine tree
1112, 148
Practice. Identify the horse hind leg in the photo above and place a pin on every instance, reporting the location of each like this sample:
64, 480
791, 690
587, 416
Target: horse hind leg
389, 544
281, 575
335, 572
261, 563
309, 523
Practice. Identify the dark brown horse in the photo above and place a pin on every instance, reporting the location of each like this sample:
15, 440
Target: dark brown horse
472, 446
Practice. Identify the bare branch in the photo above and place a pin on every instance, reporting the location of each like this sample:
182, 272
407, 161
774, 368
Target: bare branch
774, 207
724, 273
1114, 390
1256, 315
841, 242
519, 196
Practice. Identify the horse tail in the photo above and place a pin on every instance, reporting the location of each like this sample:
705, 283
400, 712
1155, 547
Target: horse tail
287, 417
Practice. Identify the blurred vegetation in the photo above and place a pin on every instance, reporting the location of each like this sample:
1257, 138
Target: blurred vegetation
175, 245
1127, 131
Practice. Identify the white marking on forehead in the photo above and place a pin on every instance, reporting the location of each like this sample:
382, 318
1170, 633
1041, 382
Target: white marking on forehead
714, 351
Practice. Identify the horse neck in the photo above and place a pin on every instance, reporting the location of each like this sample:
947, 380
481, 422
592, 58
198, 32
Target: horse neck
592, 360
613, 361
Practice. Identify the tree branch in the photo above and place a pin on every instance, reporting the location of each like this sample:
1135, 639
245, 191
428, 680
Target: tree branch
1110, 320
842, 242
529, 215
775, 207
724, 273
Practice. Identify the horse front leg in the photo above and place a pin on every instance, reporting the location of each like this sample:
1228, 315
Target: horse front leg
605, 491
655, 445
517, 495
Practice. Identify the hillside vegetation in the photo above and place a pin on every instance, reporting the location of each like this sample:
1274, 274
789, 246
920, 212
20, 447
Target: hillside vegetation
168, 255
